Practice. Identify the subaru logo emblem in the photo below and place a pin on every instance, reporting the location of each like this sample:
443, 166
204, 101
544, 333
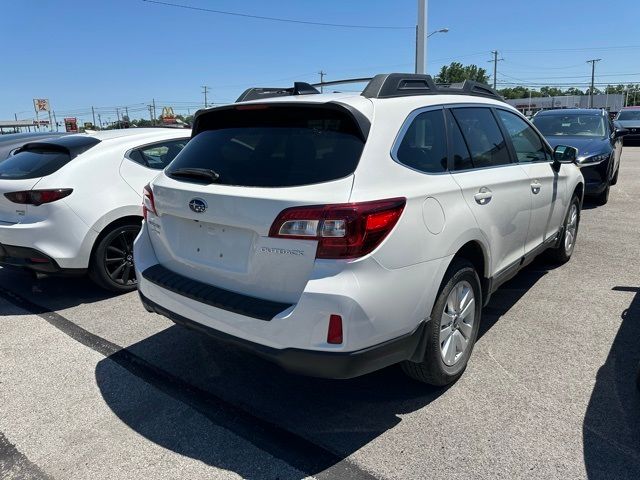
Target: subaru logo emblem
198, 205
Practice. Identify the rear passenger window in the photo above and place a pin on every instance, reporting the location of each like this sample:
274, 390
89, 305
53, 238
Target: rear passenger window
526, 142
482, 134
424, 145
158, 155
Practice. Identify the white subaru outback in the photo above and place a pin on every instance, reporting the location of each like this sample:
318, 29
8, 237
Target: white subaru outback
336, 234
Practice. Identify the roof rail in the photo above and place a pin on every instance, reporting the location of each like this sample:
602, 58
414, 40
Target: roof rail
385, 85
390, 85
257, 93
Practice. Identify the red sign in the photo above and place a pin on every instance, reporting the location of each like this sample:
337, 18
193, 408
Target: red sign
71, 125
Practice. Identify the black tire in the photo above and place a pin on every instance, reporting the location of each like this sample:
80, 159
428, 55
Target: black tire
111, 264
433, 369
561, 254
603, 197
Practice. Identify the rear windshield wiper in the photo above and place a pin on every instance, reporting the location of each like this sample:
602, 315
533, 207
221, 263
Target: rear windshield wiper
201, 173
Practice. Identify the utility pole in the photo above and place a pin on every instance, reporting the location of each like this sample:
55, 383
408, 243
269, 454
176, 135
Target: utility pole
153, 102
55, 120
322, 74
118, 115
593, 73
495, 66
126, 111
93, 114
421, 37
205, 90
100, 121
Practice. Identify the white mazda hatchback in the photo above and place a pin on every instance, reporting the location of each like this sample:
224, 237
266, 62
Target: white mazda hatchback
71, 204
337, 234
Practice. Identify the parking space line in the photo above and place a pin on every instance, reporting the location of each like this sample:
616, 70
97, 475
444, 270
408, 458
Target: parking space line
14, 464
299, 452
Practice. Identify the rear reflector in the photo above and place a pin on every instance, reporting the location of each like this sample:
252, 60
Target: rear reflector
38, 197
348, 230
38, 260
334, 334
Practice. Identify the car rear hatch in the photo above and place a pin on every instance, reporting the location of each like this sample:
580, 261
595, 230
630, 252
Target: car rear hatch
22, 171
245, 164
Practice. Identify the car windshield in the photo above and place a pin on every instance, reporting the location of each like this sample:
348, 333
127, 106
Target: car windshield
588, 125
629, 115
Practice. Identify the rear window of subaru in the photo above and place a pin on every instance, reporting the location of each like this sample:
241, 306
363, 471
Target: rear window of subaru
271, 146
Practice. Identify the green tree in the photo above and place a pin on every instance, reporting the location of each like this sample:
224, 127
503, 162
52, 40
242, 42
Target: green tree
456, 72
573, 91
551, 91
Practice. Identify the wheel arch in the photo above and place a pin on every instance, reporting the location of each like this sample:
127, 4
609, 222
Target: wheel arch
127, 220
475, 252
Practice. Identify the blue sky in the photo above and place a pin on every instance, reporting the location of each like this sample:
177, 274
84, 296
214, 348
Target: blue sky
126, 52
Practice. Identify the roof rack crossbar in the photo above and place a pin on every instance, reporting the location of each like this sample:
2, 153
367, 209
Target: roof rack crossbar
258, 93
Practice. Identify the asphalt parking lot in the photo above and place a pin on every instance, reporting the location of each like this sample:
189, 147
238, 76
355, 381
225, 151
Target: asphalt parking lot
93, 386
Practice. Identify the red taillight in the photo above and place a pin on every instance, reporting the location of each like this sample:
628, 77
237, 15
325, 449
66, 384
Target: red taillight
38, 197
334, 333
148, 203
348, 230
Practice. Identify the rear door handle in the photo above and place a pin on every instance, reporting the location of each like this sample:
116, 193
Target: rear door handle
536, 186
483, 196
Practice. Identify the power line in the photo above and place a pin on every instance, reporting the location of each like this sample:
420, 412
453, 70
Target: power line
582, 49
275, 19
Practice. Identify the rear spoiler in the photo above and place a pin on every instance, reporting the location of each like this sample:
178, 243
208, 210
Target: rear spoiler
72, 145
204, 119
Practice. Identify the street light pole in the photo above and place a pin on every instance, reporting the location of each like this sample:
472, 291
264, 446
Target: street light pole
421, 36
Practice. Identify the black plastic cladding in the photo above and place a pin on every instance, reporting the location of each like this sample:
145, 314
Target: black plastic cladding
391, 85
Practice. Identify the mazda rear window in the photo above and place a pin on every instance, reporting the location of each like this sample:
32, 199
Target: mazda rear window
260, 146
33, 164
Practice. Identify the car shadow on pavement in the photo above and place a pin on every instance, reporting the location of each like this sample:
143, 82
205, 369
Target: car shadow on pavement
611, 429
277, 411
54, 293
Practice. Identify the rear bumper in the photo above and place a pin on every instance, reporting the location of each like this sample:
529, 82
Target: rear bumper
314, 363
32, 259
58, 234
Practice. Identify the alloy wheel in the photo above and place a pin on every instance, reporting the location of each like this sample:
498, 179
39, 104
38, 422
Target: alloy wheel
571, 229
118, 258
456, 323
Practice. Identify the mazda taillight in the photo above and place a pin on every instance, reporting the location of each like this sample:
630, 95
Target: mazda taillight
38, 197
148, 203
348, 230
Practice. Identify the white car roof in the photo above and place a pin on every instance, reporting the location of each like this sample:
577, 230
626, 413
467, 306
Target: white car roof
131, 132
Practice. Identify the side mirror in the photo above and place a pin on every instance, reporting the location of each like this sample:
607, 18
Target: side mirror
620, 132
563, 154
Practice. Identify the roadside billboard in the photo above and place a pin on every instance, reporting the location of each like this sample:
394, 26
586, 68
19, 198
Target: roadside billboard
71, 125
